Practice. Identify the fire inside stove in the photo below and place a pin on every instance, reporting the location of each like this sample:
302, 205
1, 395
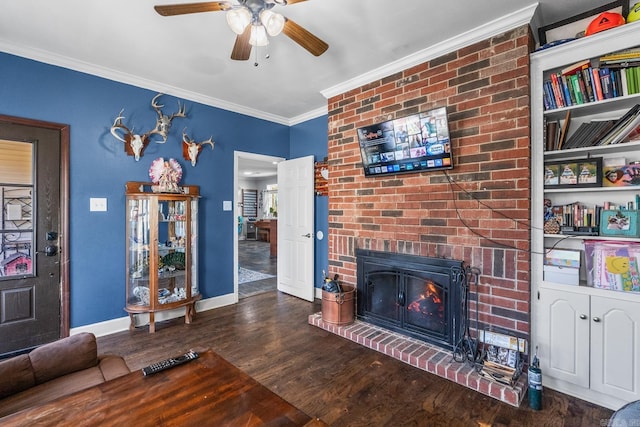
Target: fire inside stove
428, 309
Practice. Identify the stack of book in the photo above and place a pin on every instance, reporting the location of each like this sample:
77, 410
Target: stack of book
599, 132
617, 74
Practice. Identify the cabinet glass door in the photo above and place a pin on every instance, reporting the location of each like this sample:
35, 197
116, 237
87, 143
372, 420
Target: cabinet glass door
194, 247
172, 255
138, 255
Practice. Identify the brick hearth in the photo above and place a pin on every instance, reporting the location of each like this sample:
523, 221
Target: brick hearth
423, 356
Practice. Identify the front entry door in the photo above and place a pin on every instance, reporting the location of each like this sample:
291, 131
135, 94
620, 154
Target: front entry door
33, 233
296, 227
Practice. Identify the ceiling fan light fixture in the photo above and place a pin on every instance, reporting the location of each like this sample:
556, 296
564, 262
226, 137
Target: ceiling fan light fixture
258, 36
238, 19
273, 22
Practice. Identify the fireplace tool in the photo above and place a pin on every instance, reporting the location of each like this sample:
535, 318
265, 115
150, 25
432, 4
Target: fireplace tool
467, 347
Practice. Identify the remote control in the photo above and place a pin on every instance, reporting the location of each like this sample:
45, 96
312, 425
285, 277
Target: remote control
169, 363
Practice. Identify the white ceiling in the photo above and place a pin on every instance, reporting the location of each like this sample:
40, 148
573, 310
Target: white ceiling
188, 55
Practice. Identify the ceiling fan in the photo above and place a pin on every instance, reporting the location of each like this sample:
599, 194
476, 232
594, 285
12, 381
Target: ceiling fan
252, 21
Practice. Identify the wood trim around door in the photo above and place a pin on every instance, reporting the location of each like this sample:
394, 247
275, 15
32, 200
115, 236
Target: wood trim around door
64, 131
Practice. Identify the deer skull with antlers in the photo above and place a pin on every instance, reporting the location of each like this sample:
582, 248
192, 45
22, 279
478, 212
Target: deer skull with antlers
163, 123
134, 144
191, 149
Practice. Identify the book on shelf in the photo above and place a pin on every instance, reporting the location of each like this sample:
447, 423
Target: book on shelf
589, 134
606, 83
551, 135
578, 66
577, 90
563, 131
597, 84
628, 54
623, 127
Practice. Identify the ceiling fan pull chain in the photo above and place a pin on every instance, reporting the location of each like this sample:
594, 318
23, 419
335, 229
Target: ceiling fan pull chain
255, 54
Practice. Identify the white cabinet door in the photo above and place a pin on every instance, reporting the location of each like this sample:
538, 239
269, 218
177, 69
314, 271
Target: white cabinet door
564, 324
615, 347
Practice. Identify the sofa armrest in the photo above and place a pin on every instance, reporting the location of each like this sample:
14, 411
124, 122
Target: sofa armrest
65, 356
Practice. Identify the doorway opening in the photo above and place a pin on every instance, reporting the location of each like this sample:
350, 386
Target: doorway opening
255, 213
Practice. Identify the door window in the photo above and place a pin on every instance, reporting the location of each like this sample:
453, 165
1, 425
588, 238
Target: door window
16, 217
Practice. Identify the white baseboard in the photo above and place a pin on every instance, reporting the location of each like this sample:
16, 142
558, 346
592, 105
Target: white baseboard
122, 323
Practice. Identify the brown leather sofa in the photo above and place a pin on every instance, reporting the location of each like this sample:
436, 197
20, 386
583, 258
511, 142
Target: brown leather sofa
53, 370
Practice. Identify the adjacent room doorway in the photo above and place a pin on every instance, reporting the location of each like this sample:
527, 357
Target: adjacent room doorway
254, 207
34, 270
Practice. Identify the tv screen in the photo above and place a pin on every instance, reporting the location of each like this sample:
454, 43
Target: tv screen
415, 143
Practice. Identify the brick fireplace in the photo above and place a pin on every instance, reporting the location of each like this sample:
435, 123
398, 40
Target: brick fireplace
477, 212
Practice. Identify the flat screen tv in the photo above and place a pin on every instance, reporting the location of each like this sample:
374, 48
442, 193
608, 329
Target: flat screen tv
415, 143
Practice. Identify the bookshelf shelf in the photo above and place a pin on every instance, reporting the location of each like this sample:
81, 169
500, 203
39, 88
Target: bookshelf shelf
593, 190
593, 151
579, 237
597, 107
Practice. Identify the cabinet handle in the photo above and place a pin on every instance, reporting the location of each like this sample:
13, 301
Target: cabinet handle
583, 316
596, 319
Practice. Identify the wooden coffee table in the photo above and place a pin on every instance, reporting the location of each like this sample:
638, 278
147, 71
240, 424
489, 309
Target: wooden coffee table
207, 391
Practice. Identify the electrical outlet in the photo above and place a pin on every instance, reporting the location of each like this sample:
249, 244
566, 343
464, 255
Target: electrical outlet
97, 204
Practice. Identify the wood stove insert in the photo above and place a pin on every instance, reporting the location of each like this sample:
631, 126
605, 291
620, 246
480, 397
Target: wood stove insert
417, 296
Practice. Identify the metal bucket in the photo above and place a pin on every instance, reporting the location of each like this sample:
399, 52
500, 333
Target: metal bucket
338, 307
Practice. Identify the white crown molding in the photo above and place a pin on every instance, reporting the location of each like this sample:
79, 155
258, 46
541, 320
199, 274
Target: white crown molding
119, 76
318, 112
483, 32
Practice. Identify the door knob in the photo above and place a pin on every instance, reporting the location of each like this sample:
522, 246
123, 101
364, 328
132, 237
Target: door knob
596, 319
50, 250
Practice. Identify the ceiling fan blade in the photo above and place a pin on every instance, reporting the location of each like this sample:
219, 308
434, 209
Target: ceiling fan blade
184, 8
304, 38
242, 49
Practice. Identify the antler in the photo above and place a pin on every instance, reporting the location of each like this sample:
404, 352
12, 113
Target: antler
134, 144
117, 124
191, 149
163, 123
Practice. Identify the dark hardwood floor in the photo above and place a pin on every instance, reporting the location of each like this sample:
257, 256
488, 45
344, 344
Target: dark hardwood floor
255, 255
341, 382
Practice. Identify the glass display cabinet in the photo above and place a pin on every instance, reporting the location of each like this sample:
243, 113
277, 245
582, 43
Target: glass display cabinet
162, 257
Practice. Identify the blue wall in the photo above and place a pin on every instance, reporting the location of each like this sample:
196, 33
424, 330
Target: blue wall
100, 168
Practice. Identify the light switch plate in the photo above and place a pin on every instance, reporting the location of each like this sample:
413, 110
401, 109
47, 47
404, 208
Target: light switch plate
226, 205
97, 204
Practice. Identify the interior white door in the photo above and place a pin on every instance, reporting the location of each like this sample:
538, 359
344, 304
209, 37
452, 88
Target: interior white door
296, 227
